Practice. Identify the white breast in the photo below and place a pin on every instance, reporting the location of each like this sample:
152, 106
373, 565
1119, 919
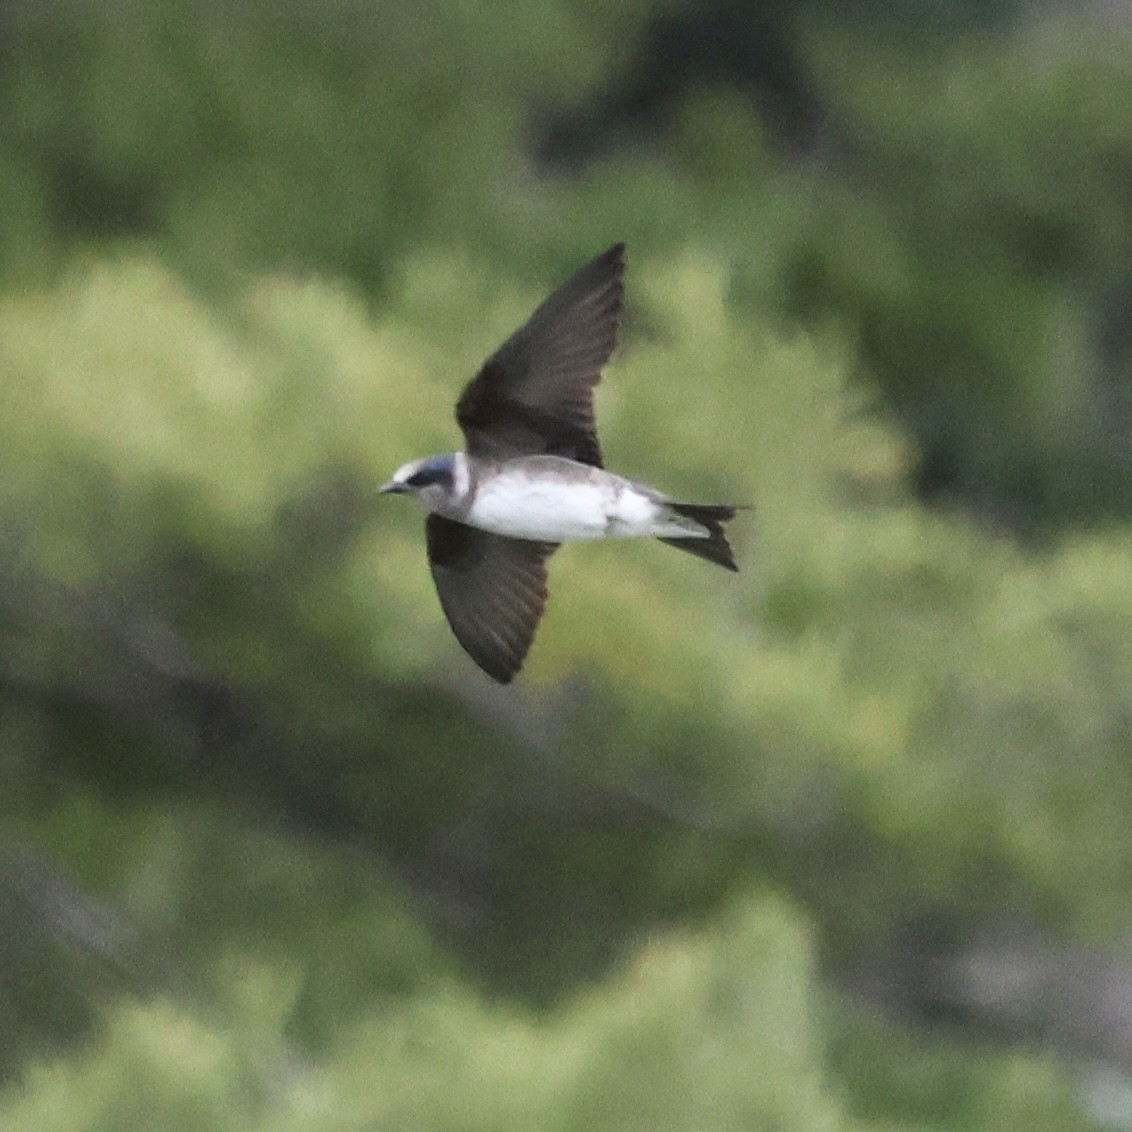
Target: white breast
548, 510
536, 502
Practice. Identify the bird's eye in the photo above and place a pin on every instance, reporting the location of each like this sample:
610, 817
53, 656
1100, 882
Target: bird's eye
427, 476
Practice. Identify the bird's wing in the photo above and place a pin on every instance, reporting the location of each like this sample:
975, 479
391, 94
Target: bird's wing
534, 395
492, 590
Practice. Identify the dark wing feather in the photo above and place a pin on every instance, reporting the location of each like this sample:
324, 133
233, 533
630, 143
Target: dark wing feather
492, 590
534, 395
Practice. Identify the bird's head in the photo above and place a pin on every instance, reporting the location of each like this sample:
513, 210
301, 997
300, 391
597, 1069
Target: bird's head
429, 482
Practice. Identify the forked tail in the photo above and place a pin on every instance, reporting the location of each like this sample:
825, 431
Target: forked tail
712, 516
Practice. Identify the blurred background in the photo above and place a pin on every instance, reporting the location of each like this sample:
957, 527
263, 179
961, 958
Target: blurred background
843, 842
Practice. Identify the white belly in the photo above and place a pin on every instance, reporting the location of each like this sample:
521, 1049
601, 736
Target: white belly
552, 508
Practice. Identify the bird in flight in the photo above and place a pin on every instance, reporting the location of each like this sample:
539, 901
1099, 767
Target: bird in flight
531, 475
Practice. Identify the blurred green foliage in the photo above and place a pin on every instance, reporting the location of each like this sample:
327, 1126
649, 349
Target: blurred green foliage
274, 856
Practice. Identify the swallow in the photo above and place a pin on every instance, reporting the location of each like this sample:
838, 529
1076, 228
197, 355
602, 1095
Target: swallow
531, 475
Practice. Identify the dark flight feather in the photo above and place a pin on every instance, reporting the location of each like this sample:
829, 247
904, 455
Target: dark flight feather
534, 395
492, 590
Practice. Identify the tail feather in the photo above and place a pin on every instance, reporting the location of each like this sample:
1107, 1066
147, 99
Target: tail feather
712, 516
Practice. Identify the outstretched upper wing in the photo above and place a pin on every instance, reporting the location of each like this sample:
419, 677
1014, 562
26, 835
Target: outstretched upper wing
492, 590
534, 395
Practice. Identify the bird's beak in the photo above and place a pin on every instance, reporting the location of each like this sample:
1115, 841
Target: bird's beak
392, 488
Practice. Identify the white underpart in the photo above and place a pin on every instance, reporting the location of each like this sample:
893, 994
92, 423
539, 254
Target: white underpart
544, 499
460, 477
